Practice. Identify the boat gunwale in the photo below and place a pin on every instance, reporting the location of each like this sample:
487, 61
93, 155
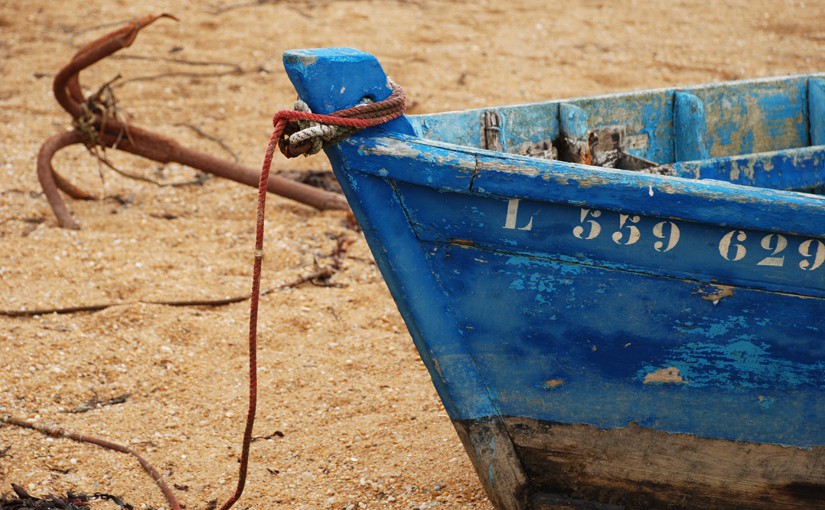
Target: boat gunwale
465, 169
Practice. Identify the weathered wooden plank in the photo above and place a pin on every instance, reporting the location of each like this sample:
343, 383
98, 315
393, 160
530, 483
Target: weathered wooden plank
755, 116
491, 131
451, 127
573, 135
498, 468
523, 129
546, 501
646, 116
790, 169
665, 125
529, 129
639, 468
816, 110
690, 128
573, 122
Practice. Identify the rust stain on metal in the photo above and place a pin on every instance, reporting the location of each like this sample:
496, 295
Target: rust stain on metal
669, 375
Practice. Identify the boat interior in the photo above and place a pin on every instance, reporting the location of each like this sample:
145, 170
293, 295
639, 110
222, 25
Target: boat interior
766, 132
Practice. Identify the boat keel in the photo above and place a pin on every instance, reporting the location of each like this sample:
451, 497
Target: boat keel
583, 467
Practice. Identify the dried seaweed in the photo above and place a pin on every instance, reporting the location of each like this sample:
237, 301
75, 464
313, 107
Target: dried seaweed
20, 499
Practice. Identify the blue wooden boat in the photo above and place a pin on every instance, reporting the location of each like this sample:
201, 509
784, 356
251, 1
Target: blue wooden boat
650, 335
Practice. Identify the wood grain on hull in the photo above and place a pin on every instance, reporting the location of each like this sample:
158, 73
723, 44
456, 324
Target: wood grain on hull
580, 466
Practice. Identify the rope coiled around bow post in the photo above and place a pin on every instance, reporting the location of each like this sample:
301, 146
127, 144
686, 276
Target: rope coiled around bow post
306, 132
298, 132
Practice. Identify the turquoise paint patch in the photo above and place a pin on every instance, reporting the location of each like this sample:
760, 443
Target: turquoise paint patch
737, 365
714, 329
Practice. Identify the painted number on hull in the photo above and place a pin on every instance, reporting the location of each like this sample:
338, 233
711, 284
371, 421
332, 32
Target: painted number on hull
668, 231
814, 252
591, 226
628, 233
732, 247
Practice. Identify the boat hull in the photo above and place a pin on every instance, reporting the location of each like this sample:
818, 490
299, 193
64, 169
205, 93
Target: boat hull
629, 383
616, 367
600, 339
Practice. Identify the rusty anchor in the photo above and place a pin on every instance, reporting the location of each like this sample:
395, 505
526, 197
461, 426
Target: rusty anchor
95, 128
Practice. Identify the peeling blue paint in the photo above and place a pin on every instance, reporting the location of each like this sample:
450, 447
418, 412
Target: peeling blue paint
513, 271
740, 364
